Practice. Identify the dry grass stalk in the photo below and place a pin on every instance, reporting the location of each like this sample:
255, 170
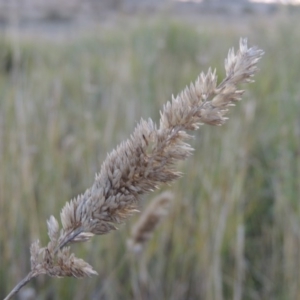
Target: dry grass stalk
141, 233
143, 230
140, 164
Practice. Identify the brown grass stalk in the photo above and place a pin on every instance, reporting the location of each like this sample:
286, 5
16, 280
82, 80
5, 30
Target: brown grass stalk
144, 228
141, 233
141, 164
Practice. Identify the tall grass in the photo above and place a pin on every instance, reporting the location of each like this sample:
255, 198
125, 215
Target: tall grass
233, 231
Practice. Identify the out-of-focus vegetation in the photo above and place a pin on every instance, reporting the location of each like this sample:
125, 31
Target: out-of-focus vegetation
233, 232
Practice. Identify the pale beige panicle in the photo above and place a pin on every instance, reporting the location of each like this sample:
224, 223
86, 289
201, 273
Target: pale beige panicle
140, 165
143, 230
147, 159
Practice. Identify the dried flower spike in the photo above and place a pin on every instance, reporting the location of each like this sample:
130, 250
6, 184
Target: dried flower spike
143, 230
139, 165
147, 159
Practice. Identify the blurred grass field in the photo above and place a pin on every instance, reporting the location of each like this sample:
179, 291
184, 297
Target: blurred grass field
234, 231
